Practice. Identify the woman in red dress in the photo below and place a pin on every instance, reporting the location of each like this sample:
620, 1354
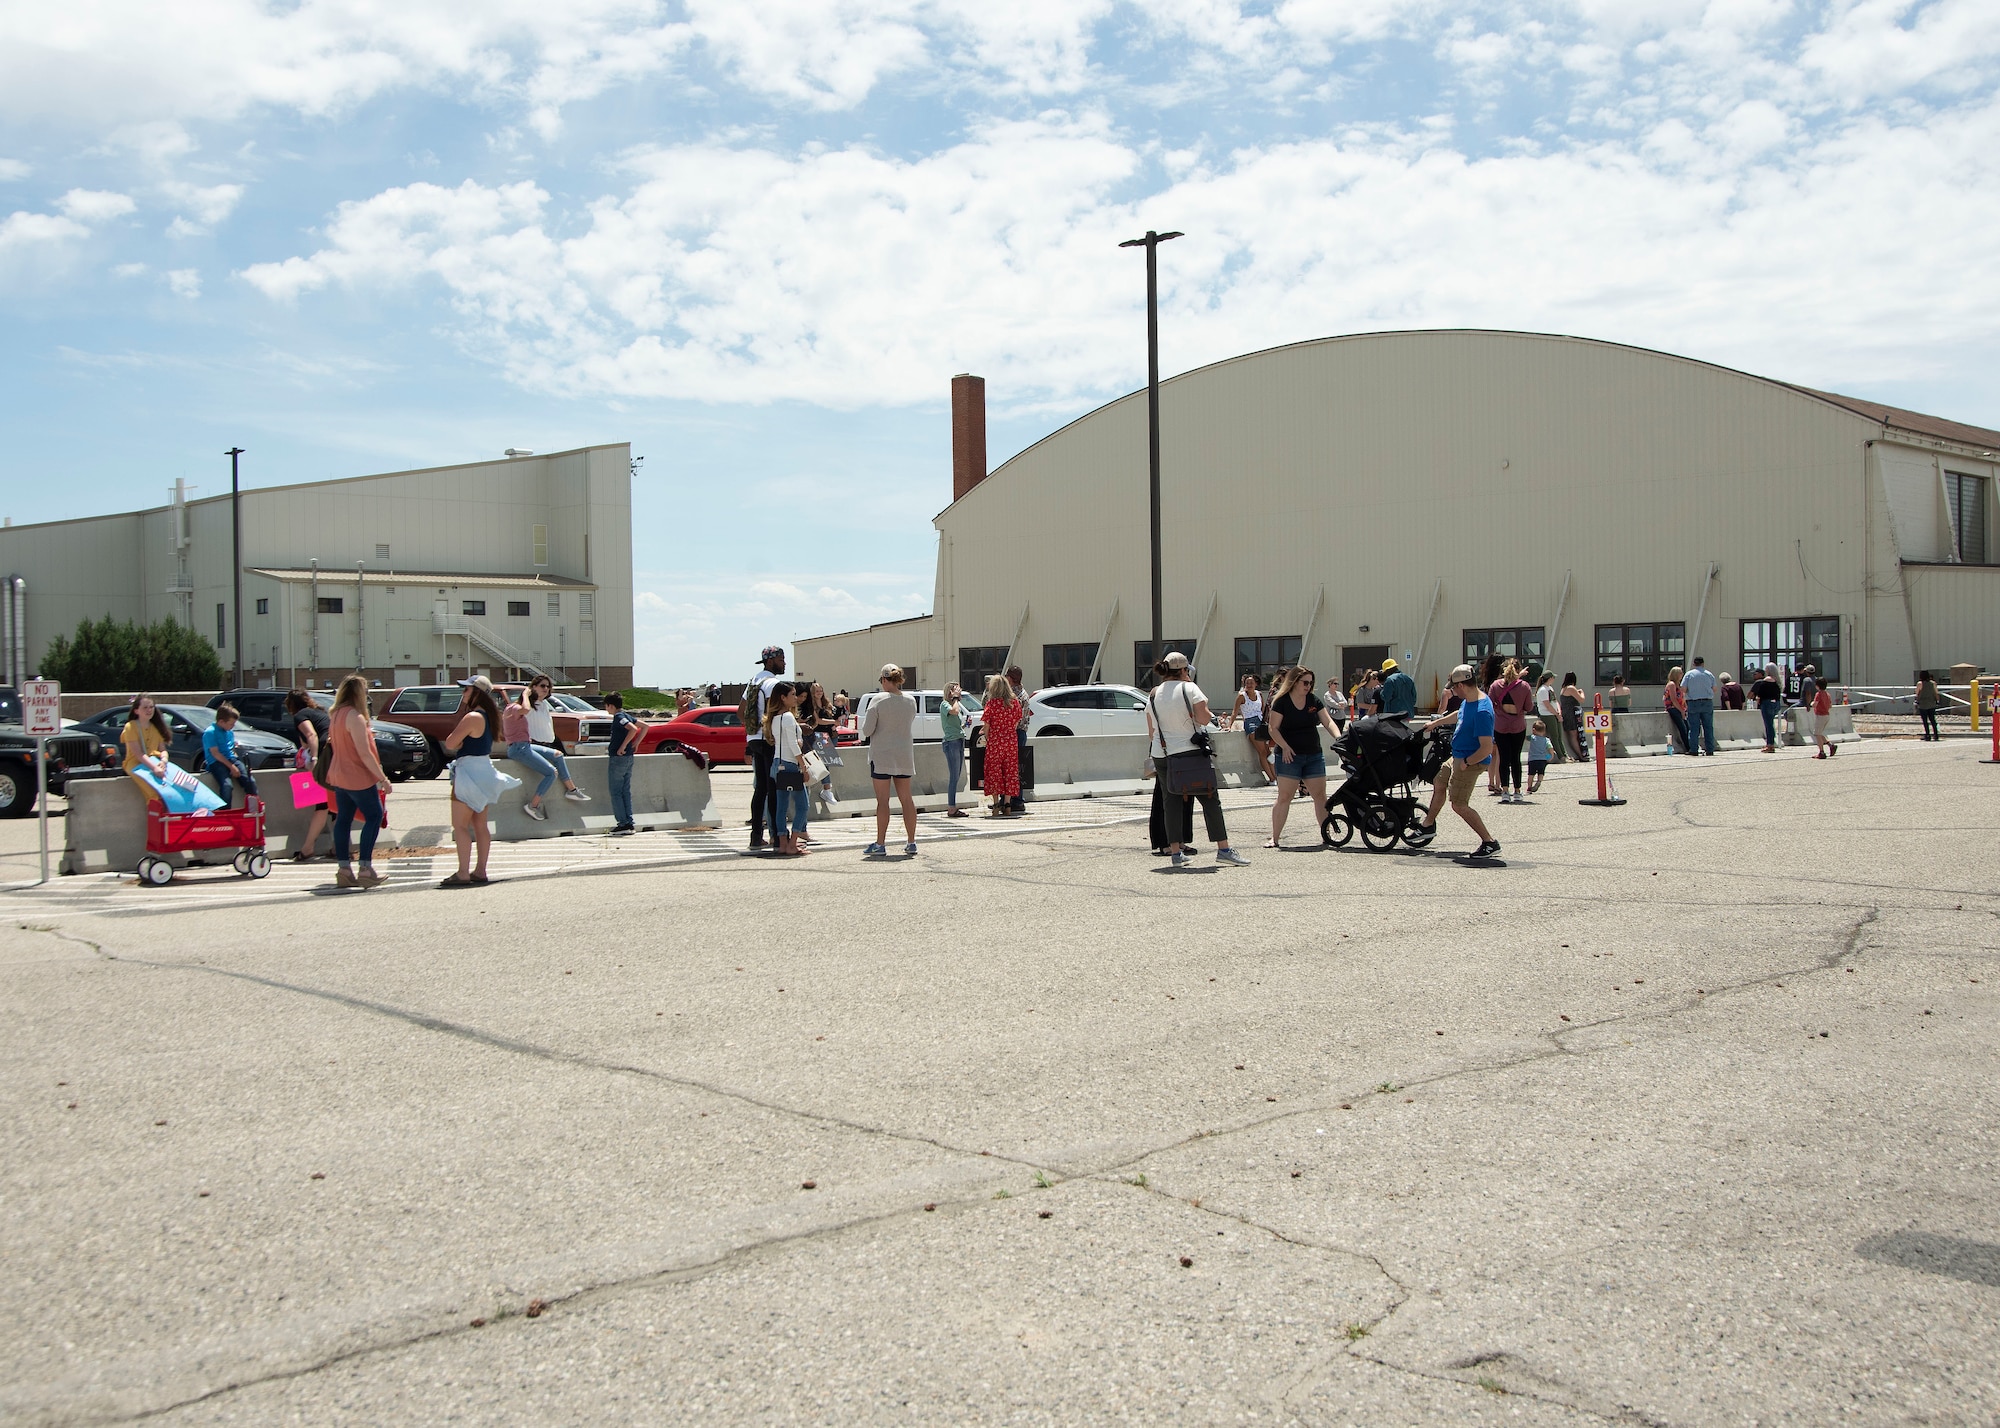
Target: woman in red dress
1000, 717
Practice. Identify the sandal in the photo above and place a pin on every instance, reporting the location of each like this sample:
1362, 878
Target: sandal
480, 880
455, 881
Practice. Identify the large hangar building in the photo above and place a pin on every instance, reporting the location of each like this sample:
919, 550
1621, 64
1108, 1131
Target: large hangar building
409, 576
1436, 495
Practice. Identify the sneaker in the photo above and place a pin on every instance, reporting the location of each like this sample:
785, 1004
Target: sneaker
534, 812
874, 850
1820, 755
619, 830
826, 797
1832, 749
909, 850
1230, 855
1180, 861
1488, 849
576, 795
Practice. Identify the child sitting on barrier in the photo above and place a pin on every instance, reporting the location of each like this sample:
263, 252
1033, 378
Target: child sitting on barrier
1538, 754
218, 750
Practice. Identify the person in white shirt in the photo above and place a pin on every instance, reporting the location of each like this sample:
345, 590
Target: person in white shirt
1175, 710
1548, 704
789, 808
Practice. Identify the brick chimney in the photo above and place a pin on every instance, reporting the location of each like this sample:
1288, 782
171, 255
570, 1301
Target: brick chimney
968, 433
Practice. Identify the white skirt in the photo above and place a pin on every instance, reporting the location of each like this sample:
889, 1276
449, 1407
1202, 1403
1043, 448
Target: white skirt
477, 784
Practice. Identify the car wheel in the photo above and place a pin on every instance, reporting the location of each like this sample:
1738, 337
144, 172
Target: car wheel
433, 764
1056, 733
17, 791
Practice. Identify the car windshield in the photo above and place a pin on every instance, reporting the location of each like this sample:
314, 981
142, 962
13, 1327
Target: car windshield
195, 715
10, 707
572, 703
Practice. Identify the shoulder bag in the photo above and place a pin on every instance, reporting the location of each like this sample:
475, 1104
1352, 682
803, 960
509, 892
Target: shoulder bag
1190, 774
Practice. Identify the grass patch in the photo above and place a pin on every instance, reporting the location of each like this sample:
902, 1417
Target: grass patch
1355, 1331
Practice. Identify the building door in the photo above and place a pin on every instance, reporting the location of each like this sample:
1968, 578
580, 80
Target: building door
1357, 660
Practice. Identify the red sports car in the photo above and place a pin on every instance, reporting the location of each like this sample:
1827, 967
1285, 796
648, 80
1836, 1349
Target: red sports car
715, 731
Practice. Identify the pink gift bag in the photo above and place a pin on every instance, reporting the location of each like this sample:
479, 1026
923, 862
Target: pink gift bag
306, 791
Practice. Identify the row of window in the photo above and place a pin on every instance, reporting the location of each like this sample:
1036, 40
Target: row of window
337, 605
1640, 654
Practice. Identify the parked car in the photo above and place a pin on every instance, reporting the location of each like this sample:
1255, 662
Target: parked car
74, 753
404, 751
929, 727
576, 721
716, 731
188, 722
1086, 709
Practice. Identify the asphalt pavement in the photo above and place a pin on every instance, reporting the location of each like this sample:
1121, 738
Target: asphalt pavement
1682, 1112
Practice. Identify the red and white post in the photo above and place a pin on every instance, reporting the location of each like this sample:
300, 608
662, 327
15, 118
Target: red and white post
1597, 723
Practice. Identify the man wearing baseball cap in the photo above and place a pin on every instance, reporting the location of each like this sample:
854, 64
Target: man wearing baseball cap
1471, 753
1399, 691
770, 665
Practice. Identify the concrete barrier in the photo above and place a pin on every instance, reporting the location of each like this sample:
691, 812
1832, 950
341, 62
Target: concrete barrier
668, 791
1088, 766
1236, 763
104, 829
854, 786
1647, 733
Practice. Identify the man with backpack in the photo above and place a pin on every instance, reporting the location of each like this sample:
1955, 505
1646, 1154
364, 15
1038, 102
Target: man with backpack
770, 667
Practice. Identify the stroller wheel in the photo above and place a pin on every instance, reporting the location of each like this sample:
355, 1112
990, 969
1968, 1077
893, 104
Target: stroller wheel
1335, 831
1378, 838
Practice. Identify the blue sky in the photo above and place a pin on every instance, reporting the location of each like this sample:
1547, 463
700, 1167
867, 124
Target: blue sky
756, 239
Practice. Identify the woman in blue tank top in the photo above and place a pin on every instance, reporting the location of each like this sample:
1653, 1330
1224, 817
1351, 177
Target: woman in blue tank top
476, 785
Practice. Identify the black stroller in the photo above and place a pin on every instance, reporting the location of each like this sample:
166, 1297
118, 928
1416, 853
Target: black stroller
1382, 756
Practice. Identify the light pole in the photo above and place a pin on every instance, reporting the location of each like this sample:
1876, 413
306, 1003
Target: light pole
1151, 243
236, 557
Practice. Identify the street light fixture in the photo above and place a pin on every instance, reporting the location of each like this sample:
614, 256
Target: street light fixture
1151, 243
236, 558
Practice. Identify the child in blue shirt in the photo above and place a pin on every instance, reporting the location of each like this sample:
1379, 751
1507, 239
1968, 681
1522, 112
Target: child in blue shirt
218, 750
1538, 754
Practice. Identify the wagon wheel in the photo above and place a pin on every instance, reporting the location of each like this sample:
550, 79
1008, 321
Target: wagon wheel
241, 862
157, 871
258, 864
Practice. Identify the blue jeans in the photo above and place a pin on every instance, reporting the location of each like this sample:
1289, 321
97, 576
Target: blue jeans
619, 768
548, 763
788, 805
346, 803
225, 782
1769, 709
1680, 723
954, 757
1701, 720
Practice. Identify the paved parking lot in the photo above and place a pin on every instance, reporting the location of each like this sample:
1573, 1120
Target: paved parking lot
1685, 1112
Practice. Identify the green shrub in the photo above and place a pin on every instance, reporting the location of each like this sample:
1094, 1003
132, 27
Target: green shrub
106, 655
637, 699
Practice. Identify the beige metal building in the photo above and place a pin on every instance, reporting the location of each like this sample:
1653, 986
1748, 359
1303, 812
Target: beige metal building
1435, 495
494, 566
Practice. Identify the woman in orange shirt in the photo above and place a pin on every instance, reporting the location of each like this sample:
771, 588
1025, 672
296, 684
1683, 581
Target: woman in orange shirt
357, 783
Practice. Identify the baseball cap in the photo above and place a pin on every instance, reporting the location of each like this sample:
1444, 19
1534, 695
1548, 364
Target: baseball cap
1462, 674
891, 671
1175, 660
478, 681
770, 652
1387, 665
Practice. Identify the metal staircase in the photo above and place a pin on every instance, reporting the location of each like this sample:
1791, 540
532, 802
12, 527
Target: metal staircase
484, 638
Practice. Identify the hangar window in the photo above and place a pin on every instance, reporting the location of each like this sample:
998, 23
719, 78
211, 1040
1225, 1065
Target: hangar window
1265, 655
517, 607
332, 604
1067, 664
1143, 658
538, 537
979, 663
1642, 653
1789, 644
1524, 644
264, 606
472, 607
1967, 497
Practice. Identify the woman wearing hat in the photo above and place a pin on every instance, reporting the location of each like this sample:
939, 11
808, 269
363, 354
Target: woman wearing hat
892, 759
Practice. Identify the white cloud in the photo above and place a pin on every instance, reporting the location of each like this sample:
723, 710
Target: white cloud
849, 278
205, 206
185, 282
94, 206
12, 169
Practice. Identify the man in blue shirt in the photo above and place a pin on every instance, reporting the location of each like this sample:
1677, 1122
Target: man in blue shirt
218, 751
1399, 691
1699, 685
625, 735
1471, 753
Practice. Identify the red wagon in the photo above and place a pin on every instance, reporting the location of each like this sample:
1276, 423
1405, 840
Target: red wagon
242, 829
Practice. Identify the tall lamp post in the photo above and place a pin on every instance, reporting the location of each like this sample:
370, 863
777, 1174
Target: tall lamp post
1151, 243
236, 556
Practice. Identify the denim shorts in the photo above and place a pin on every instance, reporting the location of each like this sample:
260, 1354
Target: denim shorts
1310, 766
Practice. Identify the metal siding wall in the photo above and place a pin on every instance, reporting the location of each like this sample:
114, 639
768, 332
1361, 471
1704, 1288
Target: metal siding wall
1373, 466
1955, 610
1915, 503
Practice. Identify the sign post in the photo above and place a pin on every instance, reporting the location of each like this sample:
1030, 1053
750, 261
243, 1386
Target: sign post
1994, 720
41, 707
1597, 722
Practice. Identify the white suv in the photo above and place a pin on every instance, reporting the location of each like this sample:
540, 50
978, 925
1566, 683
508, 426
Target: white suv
1086, 709
929, 727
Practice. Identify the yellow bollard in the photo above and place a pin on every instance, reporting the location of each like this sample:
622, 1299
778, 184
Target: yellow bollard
1973, 690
